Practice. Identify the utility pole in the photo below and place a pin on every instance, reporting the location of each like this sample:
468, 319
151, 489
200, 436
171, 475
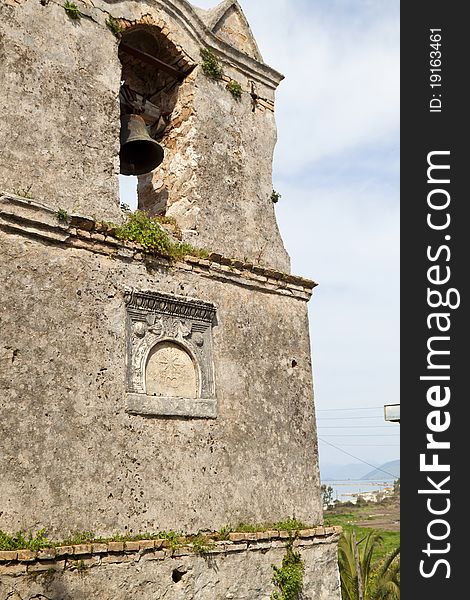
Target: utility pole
360, 592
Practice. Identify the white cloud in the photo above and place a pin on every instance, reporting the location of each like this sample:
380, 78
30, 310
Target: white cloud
346, 238
341, 61
336, 166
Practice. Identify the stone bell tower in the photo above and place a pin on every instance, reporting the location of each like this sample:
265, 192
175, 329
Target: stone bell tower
141, 393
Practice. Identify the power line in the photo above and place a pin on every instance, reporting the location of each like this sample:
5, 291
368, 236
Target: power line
357, 408
350, 418
361, 436
373, 445
353, 426
349, 481
357, 458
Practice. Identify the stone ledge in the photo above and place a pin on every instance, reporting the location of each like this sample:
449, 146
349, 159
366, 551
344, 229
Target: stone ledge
141, 404
114, 552
27, 217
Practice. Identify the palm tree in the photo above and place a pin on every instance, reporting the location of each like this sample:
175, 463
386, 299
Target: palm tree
387, 584
369, 582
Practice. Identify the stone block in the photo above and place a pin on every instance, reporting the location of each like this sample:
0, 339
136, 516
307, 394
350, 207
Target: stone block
7, 555
239, 547
183, 551
116, 558
304, 542
237, 536
306, 533
40, 567
273, 534
79, 243
98, 236
13, 569
261, 546
80, 549
329, 530
47, 554
159, 555
217, 548
338, 529
147, 544
64, 550
115, 546
81, 222
26, 555
93, 561
132, 546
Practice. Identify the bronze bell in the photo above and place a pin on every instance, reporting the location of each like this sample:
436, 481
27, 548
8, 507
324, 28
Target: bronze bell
139, 152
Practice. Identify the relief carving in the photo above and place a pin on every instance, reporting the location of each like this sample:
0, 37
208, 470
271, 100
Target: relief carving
169, 349
170, 372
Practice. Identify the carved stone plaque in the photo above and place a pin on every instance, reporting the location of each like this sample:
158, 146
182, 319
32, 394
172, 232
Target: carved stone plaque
170, 372
169, 355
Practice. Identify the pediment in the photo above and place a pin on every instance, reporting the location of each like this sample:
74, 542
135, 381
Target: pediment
229, 24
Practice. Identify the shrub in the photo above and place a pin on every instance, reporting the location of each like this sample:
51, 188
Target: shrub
235, 89
72, 10
210, 64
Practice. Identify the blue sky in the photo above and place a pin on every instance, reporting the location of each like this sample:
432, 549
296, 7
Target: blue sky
337, 168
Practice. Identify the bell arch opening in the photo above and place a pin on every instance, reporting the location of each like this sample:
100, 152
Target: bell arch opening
152, 72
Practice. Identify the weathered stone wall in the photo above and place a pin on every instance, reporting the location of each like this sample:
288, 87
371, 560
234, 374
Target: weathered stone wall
87, 442
240, 571
74, 459
59, 131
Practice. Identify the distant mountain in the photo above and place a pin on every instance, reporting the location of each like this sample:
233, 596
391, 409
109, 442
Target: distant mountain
392, 467
331, 472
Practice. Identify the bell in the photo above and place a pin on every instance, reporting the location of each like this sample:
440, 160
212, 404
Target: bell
139, 152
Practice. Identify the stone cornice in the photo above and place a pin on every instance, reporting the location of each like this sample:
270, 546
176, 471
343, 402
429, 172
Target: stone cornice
170, 304
96, 553
30, 218
185, 14
255, 69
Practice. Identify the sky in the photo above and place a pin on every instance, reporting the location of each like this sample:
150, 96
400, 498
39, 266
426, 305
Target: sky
336, 167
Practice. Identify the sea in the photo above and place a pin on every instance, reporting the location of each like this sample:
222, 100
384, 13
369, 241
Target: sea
348, 490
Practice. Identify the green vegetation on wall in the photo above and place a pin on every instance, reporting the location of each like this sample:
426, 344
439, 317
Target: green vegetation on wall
202, 542
288, 578
234, 88
210, 64
72, 10
114, 26
151, 235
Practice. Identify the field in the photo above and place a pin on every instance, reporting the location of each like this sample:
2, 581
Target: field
384, 517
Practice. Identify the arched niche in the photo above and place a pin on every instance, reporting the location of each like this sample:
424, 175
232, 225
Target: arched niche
152, 72
170, 372
170, 368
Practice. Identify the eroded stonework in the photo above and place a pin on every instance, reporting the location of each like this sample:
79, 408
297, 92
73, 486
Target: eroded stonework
230, 571
140, 394
59, 132
170, 372
84, 455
